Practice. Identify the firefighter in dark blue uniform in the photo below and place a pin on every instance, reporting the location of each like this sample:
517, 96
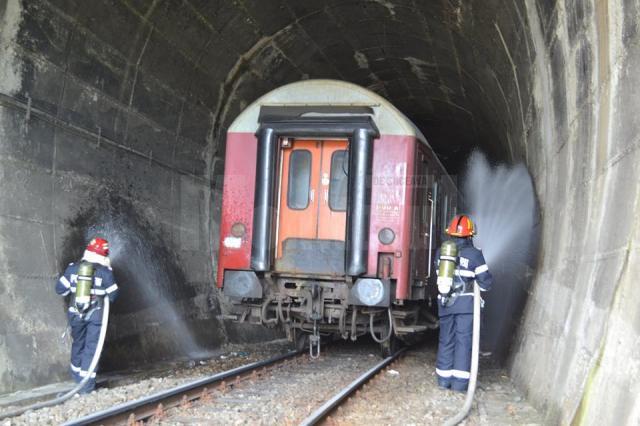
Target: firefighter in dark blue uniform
85, 315
455, 307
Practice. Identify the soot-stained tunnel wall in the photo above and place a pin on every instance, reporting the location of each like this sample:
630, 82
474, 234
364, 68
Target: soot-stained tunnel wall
121, 106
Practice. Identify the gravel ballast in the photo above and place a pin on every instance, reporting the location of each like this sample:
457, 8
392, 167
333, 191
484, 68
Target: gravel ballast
285, 394
127, 388
405, 393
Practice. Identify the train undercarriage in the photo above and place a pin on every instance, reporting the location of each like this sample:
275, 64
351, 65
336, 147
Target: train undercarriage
309, 307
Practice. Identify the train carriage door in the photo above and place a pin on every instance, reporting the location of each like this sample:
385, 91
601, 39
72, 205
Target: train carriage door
312, 207
332, 211
298, 205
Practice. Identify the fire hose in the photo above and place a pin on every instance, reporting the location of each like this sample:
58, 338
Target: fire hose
471, 389
92, 368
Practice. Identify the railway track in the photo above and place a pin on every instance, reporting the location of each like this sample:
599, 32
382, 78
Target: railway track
285, 389
334, 402
154, 405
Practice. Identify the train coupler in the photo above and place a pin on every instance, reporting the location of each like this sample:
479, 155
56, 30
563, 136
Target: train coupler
314, 342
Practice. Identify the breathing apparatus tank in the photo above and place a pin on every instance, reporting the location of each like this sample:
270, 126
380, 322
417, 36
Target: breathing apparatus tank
447, 267
83, 286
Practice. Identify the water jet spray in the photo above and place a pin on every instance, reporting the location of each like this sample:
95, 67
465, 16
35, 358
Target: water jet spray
501, 200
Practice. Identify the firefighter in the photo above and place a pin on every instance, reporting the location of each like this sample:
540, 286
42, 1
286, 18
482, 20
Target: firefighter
88, 281
459, 263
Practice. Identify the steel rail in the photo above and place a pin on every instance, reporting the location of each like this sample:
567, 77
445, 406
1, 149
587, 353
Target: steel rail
146, 407
320, 413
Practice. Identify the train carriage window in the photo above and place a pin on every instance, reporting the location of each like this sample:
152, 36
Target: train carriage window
338, 183
299, 179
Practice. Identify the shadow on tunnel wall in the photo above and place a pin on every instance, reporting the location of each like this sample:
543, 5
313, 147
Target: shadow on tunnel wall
157, 315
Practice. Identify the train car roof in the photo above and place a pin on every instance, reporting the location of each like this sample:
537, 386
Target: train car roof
325, 95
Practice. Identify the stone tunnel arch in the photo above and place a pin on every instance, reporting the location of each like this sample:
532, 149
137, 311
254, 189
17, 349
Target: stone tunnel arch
126, 102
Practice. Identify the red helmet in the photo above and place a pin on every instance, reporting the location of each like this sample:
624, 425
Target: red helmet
461, 226
99, 246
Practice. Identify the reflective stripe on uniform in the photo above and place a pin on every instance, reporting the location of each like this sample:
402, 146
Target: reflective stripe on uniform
65, 282
465, 273
448, 258
85, 373
444, 373
74, 368
94, 291
111, 288
87, 314
482, 268
459, 374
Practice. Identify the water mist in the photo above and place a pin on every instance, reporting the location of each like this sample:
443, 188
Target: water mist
145, 278
501, 200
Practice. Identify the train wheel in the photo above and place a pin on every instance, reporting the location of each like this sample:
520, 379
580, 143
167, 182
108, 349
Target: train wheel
302, 340
390, 347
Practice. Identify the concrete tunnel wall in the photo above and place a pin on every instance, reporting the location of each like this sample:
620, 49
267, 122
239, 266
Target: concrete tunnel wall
126, 102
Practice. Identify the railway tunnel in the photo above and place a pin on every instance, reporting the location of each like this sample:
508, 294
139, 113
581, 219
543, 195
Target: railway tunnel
113, 115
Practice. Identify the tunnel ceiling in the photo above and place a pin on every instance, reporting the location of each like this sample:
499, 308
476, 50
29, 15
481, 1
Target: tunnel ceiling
443, 63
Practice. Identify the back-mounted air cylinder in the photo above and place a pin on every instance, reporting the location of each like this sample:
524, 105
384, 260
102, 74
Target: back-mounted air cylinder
84, 284
447, 267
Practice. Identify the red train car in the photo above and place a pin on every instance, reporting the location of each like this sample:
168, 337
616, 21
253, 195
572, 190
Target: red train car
333, 206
